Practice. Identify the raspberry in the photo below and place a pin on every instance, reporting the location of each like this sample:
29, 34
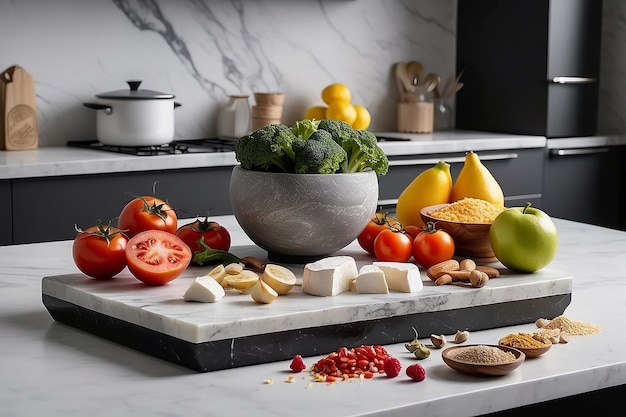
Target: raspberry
392, 367
416, 372
297, 364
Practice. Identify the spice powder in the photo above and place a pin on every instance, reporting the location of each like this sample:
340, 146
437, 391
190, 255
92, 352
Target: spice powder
573, 327
468, 210
483, 355
523, 341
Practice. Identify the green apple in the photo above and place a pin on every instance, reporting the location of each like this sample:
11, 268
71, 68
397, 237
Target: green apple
524, 239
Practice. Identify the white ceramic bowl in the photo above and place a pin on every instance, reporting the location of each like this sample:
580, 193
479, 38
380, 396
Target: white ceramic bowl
300, 218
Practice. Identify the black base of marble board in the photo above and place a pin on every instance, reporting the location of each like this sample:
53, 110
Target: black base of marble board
320, 340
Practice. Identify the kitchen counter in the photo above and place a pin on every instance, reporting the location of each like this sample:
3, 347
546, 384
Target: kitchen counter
60, 161
55, 370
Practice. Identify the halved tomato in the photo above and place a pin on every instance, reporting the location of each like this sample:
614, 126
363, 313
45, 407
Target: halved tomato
156, 257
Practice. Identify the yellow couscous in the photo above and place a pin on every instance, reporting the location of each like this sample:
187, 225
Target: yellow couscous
468, 210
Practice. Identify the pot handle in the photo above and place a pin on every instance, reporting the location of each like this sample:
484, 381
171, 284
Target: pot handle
97, 106
176, 104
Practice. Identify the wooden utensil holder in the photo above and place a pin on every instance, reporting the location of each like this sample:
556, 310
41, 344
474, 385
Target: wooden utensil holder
415, 117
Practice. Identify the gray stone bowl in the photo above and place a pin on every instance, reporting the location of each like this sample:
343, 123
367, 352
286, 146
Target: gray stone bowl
299, 218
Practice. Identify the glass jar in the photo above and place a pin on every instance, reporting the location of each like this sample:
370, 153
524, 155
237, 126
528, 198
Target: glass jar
444, 113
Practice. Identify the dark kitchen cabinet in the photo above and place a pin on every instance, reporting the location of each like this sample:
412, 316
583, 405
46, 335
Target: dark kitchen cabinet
46, 209
584, 184
529, 66
622, 188
6, 234
518, 171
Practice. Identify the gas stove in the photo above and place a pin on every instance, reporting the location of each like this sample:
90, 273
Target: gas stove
182, 146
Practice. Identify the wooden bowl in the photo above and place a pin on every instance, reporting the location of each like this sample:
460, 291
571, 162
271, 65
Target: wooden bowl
471, 240
448, 356
530, 352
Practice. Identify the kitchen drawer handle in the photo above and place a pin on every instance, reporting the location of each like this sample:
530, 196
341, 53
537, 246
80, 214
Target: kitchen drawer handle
579, 151
458, 159
394, 201
574, 80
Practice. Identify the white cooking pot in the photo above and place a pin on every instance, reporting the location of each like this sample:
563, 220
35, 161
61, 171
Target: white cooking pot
134, 117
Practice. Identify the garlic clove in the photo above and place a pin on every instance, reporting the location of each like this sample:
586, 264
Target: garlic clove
461, 336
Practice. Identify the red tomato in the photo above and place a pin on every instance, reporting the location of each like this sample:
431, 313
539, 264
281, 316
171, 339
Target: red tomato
432, 246
393, 246
147, 213
215, 235
413, 230
156, 257
379, 222
99, 251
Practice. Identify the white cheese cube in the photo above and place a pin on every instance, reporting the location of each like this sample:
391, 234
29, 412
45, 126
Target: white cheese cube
204, 289
371, 280
401, 276
329, 276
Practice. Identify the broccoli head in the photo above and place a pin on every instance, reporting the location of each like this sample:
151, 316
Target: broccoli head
319, 154
360, 145
268, 148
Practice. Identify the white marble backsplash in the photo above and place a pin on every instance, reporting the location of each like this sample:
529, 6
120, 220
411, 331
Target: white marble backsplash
204, 50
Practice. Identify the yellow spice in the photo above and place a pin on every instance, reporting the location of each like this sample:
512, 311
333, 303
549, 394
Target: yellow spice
468, 210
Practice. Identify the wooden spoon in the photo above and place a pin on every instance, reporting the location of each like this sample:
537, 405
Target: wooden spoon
414, 71
402, 79
430, 82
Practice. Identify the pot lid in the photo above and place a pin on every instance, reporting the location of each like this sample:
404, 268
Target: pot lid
134, 93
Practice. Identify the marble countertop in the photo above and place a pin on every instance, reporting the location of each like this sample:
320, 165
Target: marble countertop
55, 370
57, 161
61, 160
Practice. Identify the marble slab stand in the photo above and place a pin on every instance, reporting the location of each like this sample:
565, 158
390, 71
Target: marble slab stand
310, 331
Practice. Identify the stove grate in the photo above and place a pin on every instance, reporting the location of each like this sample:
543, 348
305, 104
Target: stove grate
205, 145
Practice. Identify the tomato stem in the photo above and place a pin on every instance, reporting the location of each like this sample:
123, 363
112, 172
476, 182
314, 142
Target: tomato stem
103, 231
205, 225
430, 227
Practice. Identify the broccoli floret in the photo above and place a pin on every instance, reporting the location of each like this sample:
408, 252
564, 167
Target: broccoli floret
360, 145
268, 148
319, 154
304, 128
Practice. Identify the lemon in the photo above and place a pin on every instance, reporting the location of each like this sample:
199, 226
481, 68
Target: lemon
363, 117
315, 112
336, 92
341, 110
280, 278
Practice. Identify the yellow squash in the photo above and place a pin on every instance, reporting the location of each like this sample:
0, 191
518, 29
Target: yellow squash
476, 181
430, 187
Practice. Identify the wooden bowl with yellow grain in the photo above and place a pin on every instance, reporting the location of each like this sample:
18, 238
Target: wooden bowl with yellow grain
471, 238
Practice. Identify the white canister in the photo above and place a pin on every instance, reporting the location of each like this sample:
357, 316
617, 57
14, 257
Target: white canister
234, 118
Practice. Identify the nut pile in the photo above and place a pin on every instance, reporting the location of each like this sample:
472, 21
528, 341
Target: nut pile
464, 272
